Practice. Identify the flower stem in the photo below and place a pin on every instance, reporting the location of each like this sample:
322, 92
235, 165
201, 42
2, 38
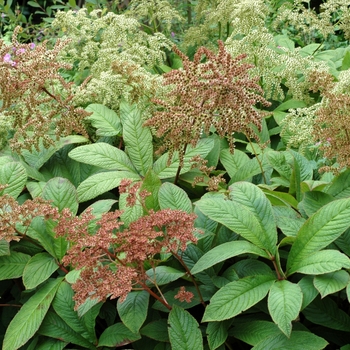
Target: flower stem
178, 257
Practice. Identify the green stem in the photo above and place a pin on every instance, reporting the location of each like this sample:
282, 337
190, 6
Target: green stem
180, 167
178, 257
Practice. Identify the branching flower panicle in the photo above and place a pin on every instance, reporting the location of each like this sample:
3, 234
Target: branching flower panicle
13, 215
216, 93
112, 259
35, 97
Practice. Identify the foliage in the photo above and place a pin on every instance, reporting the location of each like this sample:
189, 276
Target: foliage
204, 208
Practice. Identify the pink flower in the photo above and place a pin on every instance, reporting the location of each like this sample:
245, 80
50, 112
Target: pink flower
7, 58
32, 46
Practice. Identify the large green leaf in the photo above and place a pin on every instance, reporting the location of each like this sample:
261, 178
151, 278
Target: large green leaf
163, 275
284, 303
340, 186
157, 330
152, 184
330, 283
104, 156
173, 197
38, 269
12, 266
217, 333
63, 304
237, 296
253, 331
314, 200
13, 175
137, 138
29, 318
184, 332
253, 198
297, 340
37, 158
105, 120
321, 229
240, 219
54, 327
250, 169
232, 162
308, 289
325, 312
62, 194
226, 251
130, 213
321, 262
4, 247
165, 170
133, 310
103, 182
117, 336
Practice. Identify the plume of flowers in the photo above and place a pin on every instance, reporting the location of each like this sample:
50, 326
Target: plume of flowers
112, 260
213, 93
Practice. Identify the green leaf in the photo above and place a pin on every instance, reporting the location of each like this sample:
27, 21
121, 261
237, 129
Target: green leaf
39, 230
298, 340
137, 138
232, 162
165, 171
38, 269
130, 213
116, 336
14, 175
89, 321
340, 186
250, 169
253, 198
157, 330
63, 304
4, 247
321, 229
102, 182
152, 184
237, 296
62, 194
325, 312
226, 251
284, 303
321, 262
280, 198
184, 332
346, 61
12, 266
104, 156
29, 318
54, 327
133, 310
163, 275
284, 41
35, 188
173, 197
331, 282
50, 344
239, 219
36, 159
285, 106
253, 331
105, 120
315, 200
308, 289
217, 333
33, 4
